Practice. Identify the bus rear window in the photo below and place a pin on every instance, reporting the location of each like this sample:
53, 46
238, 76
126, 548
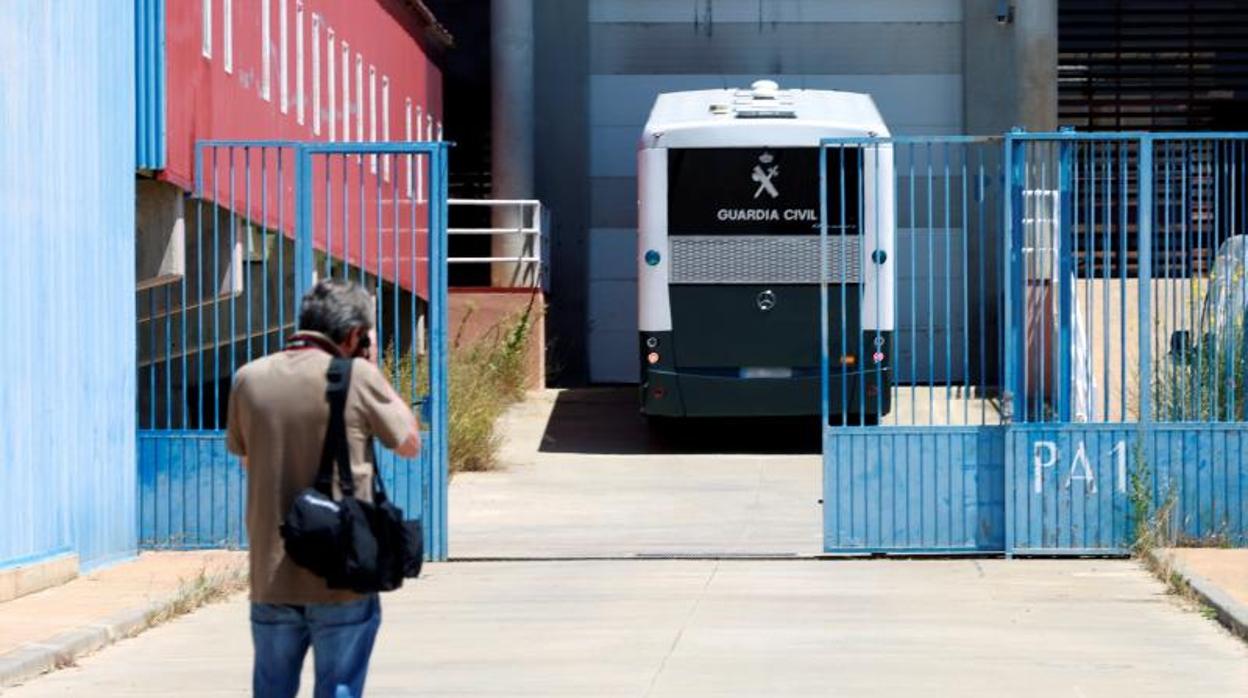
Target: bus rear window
757, 191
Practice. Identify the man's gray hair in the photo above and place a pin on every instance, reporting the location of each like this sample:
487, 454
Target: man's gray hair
334, 307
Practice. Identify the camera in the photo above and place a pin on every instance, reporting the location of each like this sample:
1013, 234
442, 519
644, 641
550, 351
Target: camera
361, 349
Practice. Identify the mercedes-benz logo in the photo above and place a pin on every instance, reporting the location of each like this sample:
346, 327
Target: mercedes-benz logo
765, 300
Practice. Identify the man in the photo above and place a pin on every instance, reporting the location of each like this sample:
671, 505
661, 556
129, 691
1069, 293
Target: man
278, 416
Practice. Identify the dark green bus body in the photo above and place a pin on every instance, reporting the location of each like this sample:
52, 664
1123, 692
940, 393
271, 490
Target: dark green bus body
704, 367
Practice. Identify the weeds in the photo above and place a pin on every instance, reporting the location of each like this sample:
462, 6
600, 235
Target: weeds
1150, 520
486, 376
199, 591
1154, 522
1205, 382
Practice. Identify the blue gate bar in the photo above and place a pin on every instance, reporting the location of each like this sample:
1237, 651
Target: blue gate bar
1145, 247
1121, 136
824, 359
304, 262
1065, 276
1012, 207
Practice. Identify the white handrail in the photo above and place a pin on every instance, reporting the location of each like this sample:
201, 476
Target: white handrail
532, 231
494, 202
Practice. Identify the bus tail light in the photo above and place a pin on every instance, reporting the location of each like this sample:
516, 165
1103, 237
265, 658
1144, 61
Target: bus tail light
848, 359
658, 392
653, 357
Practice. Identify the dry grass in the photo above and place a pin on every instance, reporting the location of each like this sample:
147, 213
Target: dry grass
201, 590
486, 376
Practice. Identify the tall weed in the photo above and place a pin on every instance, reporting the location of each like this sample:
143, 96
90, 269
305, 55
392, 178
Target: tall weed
1206, 382
485, 377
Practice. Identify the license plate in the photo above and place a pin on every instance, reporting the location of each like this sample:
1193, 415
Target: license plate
766, 372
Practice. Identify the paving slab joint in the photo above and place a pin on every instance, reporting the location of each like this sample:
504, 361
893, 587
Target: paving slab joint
1229, 611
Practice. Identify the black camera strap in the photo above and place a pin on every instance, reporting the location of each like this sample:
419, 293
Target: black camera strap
379, 485
335, 448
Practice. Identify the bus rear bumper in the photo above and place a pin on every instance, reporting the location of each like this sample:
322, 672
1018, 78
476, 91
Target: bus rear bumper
669, 393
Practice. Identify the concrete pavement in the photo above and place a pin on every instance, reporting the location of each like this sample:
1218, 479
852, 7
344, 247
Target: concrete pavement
584, 477
584, 480
733, 628
1216, 576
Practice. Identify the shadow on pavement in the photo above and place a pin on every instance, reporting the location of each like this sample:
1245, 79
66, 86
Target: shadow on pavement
607, 421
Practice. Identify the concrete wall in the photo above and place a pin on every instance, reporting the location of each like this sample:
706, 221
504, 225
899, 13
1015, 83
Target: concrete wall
1010, 75
601, 63
478, 315
67, 201
639, 49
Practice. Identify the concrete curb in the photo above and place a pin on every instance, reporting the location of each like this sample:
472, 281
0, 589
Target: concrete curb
62, 650
1230, 612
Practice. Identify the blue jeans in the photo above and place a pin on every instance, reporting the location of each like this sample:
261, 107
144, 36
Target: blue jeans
341, 637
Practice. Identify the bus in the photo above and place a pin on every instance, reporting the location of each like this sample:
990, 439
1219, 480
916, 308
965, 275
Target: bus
729, 255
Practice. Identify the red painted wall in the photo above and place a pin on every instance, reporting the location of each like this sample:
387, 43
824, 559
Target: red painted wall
205, 101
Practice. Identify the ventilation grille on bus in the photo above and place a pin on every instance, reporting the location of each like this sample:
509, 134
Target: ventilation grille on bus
762, 259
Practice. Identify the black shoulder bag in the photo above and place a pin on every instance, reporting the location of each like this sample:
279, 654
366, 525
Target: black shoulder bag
356, 545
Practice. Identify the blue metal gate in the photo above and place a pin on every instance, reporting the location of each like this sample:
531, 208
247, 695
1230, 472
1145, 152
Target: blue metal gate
1067, 349
266, 219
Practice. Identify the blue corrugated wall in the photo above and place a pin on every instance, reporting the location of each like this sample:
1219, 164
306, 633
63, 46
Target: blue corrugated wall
149, 75
67, 358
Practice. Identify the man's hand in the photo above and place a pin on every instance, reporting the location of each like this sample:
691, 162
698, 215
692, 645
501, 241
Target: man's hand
410, 448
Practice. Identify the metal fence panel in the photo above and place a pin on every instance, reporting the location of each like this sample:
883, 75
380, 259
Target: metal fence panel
1130, 254
192, 491
1086, 488
914, 490
1130, 260
267, 219
1120, 388
1199, 476
1070, 488
913, 347
926, 340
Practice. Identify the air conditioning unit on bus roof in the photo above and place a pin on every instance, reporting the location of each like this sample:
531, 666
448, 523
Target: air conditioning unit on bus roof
762, 113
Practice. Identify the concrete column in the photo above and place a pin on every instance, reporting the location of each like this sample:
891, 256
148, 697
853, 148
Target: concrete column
1009, 65
160, 233
1035, 38
512, 133
561, 57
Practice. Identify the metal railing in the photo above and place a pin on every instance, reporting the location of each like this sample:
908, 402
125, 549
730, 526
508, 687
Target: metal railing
528, 221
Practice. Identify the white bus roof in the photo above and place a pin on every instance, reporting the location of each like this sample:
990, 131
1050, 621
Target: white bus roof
760, 115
